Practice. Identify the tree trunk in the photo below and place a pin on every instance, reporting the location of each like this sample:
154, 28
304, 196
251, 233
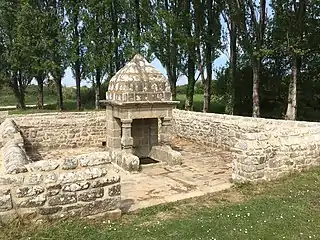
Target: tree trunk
255, 88
18, 90
77, 64
173, 87
40, 81
208, 60
97, 88
191, 83
232, 68
78, 87
138, 25
291, 113
59, 93
115, 30
191, 57
208, 80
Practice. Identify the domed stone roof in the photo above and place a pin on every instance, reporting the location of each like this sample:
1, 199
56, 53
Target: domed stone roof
138, 81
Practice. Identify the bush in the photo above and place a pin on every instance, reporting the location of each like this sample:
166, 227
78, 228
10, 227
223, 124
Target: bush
69, 93
104, 89
182, 89
87, 95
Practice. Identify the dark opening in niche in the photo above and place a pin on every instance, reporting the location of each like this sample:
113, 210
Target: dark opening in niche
104, 144
147, 160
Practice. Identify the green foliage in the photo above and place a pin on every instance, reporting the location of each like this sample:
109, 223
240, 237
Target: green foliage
96, 38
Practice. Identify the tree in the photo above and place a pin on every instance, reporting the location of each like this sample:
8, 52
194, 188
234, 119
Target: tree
75, 10
190, 49
232, 30
17, 64
100, 46
209, 35
165, 40
39, 39
290, 21
251, 28
57, 33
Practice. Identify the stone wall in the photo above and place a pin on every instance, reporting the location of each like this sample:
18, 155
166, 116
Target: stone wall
3, 115
145, 136
83, 186
263, 149
62, 130
55, 190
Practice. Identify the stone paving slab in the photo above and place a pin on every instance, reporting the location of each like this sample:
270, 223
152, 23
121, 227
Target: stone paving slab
203, 171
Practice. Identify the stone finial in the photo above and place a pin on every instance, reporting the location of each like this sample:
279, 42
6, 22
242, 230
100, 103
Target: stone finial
138, 81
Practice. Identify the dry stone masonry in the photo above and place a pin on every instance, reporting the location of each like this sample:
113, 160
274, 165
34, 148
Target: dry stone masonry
263, 149
82, 186
138, 98
62, 130
138, 122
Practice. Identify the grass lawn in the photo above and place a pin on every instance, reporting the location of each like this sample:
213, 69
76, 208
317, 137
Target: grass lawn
285, 209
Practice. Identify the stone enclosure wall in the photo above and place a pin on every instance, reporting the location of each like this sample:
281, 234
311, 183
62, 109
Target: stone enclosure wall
62, 130
263, 149
84, 186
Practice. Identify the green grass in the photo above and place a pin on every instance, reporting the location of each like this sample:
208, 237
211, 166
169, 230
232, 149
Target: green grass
285, 209
7, 97
215, 107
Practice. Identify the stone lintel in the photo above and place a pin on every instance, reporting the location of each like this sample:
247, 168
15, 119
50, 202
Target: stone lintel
139, 103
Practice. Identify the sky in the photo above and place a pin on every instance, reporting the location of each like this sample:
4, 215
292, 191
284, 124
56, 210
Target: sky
69, 80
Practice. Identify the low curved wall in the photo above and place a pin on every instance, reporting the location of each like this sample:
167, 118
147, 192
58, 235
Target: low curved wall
13, 153
263, 149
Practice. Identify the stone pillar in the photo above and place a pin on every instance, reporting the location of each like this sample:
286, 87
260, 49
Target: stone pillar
165, 136
126, 139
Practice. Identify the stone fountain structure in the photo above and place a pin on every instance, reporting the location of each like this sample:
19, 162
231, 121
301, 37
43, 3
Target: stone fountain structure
139, 116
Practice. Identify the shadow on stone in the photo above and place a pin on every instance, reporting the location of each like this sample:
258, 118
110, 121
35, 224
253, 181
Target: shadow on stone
126, 205
147, 160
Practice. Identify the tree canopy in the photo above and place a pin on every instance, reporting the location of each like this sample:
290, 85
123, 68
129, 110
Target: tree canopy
272, 47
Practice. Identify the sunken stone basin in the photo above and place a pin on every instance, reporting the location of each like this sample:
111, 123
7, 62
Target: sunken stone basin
84, 185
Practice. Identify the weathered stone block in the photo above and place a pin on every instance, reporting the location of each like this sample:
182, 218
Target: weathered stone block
93, 172
105, 181
48, 210
82, 175
11, 180
100, 206
114, 190
37, 201
43, 166
52, 192
69, 164
62, 199
91, 195
73, 187
5, 200
95, 159
29, 191
33, 179
14, 159
9, 217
